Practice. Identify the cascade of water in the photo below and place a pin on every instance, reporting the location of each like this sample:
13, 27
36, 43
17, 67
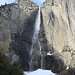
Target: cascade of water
41, 56
35, 37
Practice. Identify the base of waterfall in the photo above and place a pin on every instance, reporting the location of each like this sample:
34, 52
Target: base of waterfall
40, 72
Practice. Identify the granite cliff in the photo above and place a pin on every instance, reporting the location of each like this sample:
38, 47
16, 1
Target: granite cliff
16, 30
58, 33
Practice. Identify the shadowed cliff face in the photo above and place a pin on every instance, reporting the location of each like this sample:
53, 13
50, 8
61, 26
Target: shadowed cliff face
16, 30
58, 30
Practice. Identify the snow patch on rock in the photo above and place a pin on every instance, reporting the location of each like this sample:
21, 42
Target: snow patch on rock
40, 72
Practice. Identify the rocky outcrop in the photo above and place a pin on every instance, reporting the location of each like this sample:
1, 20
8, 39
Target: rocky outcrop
58, 30
68, 72
16, 30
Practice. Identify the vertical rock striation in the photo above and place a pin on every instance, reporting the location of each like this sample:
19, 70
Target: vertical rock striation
58, 29
16, 30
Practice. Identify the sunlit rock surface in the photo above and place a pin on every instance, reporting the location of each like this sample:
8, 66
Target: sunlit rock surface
58, 29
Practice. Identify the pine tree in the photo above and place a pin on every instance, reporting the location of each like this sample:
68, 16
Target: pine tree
9, 69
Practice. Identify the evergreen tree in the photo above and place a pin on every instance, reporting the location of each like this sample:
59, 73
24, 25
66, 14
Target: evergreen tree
9, 69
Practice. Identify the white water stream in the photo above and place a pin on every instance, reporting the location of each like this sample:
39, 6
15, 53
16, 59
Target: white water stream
36, 37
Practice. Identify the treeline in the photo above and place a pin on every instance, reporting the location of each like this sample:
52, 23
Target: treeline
9, 69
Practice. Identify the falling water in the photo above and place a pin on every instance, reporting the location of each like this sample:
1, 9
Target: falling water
41, 56
36, 37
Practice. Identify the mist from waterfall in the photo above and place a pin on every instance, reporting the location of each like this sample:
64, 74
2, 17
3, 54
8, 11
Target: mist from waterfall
35, 38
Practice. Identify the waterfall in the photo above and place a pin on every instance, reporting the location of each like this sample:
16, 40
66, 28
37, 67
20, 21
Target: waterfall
41, 56
36, 37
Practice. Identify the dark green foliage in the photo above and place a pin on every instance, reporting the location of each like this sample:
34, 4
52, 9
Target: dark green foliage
9, 69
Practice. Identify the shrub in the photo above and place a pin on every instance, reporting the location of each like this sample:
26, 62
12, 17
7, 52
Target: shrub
9, 69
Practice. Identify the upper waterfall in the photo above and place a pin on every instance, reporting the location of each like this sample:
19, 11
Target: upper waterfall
34, 40
37, 27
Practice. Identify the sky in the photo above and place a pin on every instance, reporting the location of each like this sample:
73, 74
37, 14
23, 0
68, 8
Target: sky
2, 2
39, 2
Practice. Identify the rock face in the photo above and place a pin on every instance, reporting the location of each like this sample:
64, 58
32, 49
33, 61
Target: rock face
57, 33
58, 29
16, 30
